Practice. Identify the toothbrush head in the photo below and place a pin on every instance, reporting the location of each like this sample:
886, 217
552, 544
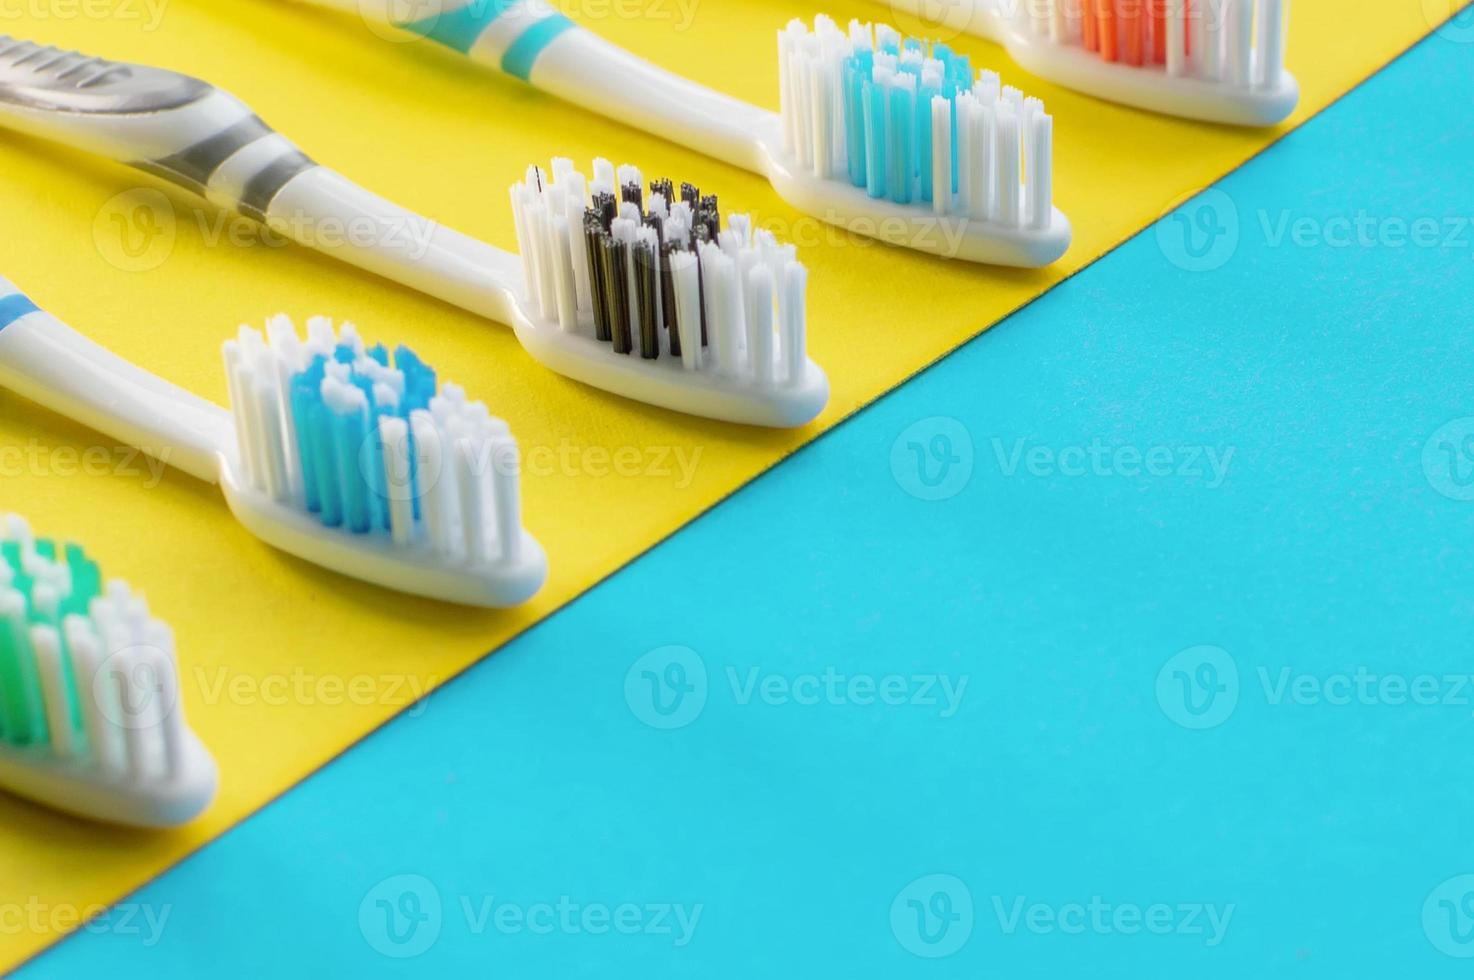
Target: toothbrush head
90, 715
1215, 60
901, 139
374, 469
641, 291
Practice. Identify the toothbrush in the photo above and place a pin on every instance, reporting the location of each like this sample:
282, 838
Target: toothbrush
197, 136
90, 715
1215, 60
327, 453
903, 176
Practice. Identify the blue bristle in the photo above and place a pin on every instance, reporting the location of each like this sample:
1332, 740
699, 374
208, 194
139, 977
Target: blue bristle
902, 161
875, 142
420, 386
306, 396
854, 114
379, 480
420, 383
342, 457
952, 98
923, 139
348, 433
889, 130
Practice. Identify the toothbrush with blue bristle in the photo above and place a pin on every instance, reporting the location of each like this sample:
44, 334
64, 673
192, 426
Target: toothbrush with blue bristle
331, 450
91, 720
897, 139
188, 132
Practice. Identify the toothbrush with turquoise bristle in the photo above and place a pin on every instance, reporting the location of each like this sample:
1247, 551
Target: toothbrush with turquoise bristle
331, 450
91, 720
891, 138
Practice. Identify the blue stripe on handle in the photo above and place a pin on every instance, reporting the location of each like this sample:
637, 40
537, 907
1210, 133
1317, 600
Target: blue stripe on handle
459, 29
520, 57
13, 307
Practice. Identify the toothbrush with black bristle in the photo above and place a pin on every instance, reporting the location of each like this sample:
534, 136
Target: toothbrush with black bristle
91, 720
331, 451
893, 138
195, 135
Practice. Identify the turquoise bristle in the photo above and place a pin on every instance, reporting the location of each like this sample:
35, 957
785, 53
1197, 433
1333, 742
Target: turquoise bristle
875, 142
854, 94
922, 142
347, 433
888, 130
901, 166
341, 454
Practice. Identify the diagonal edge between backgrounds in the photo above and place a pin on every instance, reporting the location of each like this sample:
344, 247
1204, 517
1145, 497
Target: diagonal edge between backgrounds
109, 902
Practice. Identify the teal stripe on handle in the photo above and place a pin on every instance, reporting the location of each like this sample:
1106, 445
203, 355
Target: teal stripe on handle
13, 307
459, 29
519, 59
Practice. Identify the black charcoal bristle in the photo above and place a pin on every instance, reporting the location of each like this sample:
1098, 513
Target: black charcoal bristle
599, 263
620, 294
701, 294
631, 193
658, 223
665, 189
606, 207
647, 284
668, 297
691, 195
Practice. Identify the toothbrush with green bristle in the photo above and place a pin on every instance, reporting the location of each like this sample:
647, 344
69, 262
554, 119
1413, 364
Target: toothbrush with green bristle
91, 720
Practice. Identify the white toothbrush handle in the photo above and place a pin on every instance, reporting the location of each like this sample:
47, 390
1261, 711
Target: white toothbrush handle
980, 18
586, 70
530, 40
46, 361
323, 210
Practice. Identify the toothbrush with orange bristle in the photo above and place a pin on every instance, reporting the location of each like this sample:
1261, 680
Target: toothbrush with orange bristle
1214, 60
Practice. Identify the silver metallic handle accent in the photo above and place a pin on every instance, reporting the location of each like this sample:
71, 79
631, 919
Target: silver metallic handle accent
161, 122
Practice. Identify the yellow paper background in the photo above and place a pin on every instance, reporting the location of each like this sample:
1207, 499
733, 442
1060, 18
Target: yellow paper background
446, 139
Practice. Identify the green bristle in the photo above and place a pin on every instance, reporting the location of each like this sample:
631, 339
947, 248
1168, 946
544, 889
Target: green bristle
10, 550
22, 703
86, 583
20, 689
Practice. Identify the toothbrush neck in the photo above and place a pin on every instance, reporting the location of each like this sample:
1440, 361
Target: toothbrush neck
396, 243
51, 364
590, 72
989, 19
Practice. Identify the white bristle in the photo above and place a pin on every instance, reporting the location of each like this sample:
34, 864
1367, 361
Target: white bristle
1270, 64
829, 124
435, 461
1237, 43
99, 688
565, 279
759, 308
